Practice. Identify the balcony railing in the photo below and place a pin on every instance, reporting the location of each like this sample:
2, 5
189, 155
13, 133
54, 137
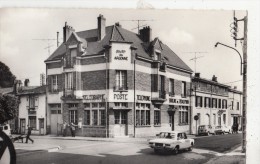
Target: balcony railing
162, 94
69, 92
171, 94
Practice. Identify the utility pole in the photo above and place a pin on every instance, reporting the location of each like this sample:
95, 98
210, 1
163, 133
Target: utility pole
196, 58
244, 120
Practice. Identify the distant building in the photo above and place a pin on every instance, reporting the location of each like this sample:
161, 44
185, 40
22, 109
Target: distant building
212, 102
32, 108
113, 82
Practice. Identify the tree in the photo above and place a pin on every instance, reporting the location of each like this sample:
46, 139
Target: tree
6, 76
8, 107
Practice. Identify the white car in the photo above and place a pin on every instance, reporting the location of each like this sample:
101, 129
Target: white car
171, 141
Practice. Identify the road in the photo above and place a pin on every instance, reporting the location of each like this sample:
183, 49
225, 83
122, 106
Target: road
100, 152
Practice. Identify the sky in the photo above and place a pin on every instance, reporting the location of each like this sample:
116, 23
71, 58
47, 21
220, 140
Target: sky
186, 32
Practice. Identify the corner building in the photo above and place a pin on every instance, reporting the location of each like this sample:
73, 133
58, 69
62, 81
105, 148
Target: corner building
112, 82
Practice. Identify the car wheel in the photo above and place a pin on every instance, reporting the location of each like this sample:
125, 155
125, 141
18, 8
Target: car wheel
191, 147
176, 150
156, 151
208, 134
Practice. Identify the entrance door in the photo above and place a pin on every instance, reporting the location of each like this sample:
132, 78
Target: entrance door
171, 115
41, 126
56, 120
120, 128
22, 126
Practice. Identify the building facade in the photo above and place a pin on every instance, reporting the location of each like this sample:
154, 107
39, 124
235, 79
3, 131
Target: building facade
113, 82
214, 103
32, 109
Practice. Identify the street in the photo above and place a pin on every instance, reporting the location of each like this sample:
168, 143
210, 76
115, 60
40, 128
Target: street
75, 151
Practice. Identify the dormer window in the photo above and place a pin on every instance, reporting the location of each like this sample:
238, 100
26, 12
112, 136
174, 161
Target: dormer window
157, 56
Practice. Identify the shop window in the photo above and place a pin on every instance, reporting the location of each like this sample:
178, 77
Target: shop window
73, 114
87, 105
117, 117
86, 117
72, 105
183, 115
102, 117
157, 116
142, 114
121, 80
94, 117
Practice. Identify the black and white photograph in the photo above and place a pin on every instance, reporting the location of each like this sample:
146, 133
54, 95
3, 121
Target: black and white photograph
128, 85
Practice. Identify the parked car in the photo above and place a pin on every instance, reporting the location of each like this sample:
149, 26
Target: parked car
219, 130
206, 130
172, 141
6, 129
226, 129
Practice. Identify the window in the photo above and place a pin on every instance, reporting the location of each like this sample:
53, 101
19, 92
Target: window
224, 104
120, 117
183, 89
162, 87
157, 120
198, 102
94, 117
219, 103
207, 102
237, 105
117, 117
54, 83
32, 122
102, 117
214, 103
232, 105
224, 119
86, 117
72, 105
171, 87
183, 115
121, 81
157, 56
69, 81
214, 119
73, 114
142, 114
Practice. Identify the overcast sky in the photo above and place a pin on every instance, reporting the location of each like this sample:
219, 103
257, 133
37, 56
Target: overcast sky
184, 31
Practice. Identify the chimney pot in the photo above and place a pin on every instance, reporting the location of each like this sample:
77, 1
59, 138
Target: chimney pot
197, 74
146, 34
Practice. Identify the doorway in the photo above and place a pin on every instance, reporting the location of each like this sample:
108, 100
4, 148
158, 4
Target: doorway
171, 116
41, 126
22, 126
120, 128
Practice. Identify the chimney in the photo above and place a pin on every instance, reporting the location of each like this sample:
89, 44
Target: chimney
101, 26
67, 30
146, 34
197, 75
26, 82
118, 24
214, 78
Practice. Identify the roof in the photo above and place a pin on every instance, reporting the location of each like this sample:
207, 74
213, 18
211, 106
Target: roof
116, 33
32, 90
6, 90
210, 81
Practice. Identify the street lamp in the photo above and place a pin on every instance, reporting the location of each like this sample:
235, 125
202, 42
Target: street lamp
244, 73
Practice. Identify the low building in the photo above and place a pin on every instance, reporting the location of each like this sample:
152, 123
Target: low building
235, 107
113, 82
32, 109
213, 103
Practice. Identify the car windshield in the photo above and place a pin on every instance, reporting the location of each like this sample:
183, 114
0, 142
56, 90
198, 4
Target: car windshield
166, 135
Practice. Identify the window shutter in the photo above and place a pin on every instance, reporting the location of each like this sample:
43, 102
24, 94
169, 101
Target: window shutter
205, 102
196, 102
201, 105
210, 102
49, 83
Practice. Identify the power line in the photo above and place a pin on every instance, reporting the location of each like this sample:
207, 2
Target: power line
232, 82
